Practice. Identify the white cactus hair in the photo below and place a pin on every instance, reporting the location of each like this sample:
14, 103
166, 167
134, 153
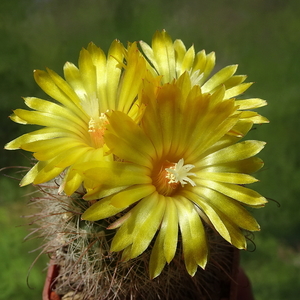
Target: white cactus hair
89, 271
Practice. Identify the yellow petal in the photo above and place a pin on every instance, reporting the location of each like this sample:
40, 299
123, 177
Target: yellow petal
210, 62
236, 235
219, 78
88, 73
112, 80
180, 51
72, 179
131, 82
237, 192
223, 223
33, 172
139, 214
50, 120
235, 178
116, 173
100, 210
157, 258
234, 80
237, 90
59, 163
71, 182
169, 228
146, 230
167, 115
251, 103
73, 78
254, 117
216, 127
77, 155
98, 77
188, 59
148, 52
248, 166
233, 153
52, 84
210, 212
49, 171
195, 249
240, 129
132, 195
164, 55
126, 140
17, 119
56, 109
232, 209
41, 134
94, 190
48, 149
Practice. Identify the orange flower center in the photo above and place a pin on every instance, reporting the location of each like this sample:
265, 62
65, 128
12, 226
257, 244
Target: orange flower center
172, 176
162, 182
97, 127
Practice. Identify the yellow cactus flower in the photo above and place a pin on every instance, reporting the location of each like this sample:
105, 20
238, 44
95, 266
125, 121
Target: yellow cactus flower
74, 124
171, 59
174, 170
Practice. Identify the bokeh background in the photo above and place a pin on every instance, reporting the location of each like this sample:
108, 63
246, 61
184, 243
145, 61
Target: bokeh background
262, 36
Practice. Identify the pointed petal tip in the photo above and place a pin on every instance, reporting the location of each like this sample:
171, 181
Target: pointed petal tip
192, 272
153, 276
22, 184
6, 147
203, 264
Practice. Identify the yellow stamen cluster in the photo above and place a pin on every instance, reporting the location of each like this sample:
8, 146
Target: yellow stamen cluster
96, 130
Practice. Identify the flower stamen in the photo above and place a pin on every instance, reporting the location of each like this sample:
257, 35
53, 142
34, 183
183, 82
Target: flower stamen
171, 176
96, 130
179, 173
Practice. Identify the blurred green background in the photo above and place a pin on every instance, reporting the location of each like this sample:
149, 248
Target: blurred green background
262, 36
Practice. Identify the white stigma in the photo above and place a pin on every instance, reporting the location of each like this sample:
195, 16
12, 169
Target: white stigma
179, 173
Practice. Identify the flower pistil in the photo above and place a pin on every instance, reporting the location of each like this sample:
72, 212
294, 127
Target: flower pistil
171, 176
179, 173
